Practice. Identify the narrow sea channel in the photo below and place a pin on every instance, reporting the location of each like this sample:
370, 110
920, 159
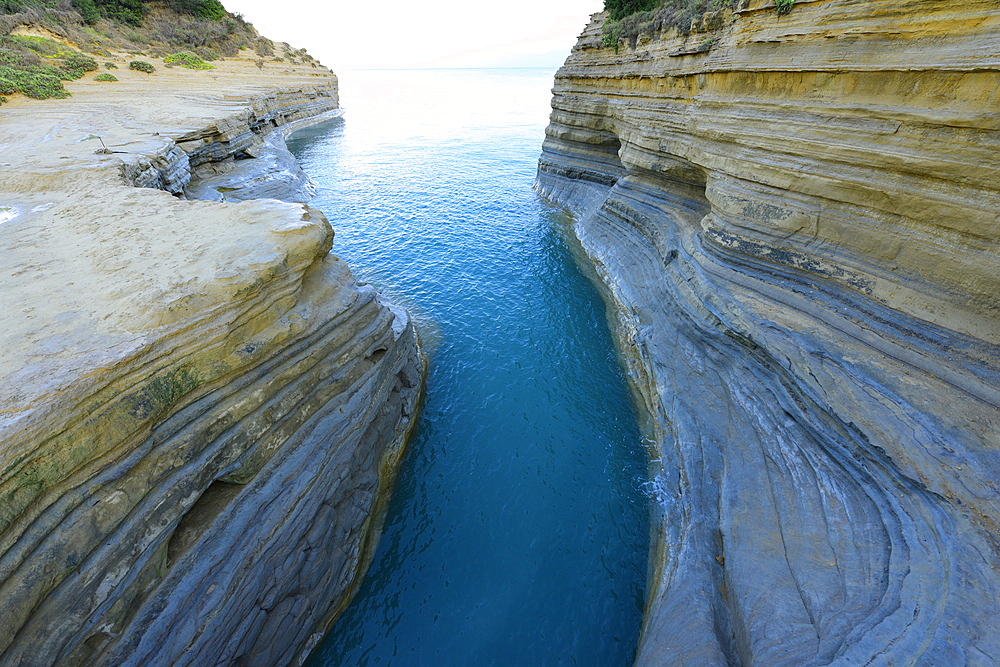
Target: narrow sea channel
518, 532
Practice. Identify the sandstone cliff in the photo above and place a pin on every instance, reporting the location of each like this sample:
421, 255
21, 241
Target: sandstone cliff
797, 220
201, 408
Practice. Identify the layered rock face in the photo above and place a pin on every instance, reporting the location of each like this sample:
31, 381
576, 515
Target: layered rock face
201, 408
796, 217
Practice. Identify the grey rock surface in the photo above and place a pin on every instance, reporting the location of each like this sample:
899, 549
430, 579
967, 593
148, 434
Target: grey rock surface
801, 247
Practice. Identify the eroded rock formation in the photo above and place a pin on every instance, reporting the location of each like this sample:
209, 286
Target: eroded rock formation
796, 217
201, 408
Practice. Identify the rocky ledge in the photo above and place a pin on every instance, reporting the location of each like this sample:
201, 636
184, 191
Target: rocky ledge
201, 408
796, 219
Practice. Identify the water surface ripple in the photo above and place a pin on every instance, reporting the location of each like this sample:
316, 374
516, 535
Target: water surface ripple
518, 531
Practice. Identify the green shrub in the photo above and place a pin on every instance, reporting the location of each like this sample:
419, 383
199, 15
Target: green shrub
76, 65
612, 33
104, 76
36, 67
783, 6
619, 9
203, 9
141, 66
38, 83
187, 59
129, 12
110, 66
88, 11
12, 6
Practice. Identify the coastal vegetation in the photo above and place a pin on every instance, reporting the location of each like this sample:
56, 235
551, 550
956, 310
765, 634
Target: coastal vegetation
627, 19
46, 42
36, 66
153, 28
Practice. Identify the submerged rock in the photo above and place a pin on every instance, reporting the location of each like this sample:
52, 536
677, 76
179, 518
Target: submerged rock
796, 219
201, 407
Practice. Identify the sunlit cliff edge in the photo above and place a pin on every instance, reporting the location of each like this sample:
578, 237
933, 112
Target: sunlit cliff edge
200, 407
797, 218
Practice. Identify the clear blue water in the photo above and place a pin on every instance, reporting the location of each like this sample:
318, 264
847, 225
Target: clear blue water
518, 530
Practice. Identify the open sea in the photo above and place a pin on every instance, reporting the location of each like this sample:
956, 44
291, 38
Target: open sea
518, 532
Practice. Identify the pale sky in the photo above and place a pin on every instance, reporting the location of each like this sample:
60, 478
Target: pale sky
435, 33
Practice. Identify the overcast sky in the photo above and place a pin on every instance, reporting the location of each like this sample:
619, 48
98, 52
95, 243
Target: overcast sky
434, 33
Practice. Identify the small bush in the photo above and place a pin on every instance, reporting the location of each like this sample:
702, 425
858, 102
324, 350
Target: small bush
612, 33
76, 65
783, 6
187, 59
141, 66
110, 66
104, 76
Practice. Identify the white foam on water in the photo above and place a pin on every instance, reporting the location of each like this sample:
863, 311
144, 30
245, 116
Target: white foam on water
7, 213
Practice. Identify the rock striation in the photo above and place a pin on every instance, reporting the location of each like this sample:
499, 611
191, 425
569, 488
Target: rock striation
796, 218
201, 409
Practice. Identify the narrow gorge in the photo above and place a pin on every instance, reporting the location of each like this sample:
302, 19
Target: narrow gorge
792, 208
796, 218
202, 409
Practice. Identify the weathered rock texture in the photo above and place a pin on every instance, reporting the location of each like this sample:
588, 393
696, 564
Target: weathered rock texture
797, 220
200, 407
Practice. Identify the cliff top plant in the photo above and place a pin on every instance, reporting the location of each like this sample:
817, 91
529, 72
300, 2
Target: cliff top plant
203, 27
628, 18
188, 60
104, 76
195, 31
75, 65
619, 9
133, 12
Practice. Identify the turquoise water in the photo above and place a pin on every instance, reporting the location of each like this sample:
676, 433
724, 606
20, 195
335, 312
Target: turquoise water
518, 530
